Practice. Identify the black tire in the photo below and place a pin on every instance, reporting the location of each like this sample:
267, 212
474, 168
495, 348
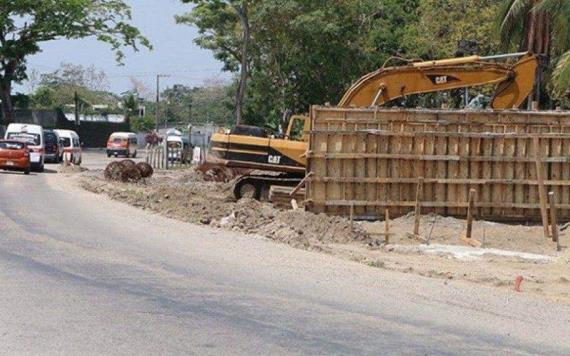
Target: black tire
27, 171
247, 189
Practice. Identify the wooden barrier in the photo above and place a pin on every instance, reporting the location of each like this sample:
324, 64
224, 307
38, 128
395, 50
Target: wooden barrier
177, 158
372, 159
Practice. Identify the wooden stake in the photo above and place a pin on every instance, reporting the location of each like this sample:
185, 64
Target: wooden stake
387, 225
468, 238
301, 184
541, 187
352, 217
418, 213
470, 208
554, 220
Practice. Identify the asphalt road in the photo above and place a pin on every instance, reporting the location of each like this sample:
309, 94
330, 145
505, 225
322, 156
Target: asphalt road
80, 274
97, 159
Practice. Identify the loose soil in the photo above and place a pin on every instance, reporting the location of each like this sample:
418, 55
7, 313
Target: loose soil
186, 195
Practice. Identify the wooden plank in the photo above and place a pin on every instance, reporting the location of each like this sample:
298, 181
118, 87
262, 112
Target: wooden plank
452, 158
440, 204
441, 189
541, 187
554, 218
497, 171
418, 209
460, 181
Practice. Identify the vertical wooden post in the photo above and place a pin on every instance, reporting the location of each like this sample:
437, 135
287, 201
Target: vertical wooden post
541, 188
352, 217
470, 209
387, 225
418, 212
166, 156
554, 220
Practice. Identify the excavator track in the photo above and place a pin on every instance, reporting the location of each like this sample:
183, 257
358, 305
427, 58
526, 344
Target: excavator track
257, 186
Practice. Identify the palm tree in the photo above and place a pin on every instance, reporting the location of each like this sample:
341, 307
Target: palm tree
542, 27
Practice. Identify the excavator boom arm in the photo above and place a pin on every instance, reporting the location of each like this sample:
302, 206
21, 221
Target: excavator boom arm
514, 82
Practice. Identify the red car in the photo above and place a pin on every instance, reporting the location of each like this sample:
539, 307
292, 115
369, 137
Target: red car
14, 156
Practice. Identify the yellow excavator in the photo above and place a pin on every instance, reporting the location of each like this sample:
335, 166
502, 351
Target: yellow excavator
253, 148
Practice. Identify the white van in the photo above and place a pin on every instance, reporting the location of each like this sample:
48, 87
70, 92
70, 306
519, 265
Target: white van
122, 143
33, 135
71, 145
178, 148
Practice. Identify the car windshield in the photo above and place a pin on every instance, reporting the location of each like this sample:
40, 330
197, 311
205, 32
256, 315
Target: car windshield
174, 144
50, 138
29, 138
119, 140
12, 145
66, 142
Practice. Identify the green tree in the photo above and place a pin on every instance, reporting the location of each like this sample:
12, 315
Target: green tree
57, 89
225, 28
542, 27
25, 24
442, 24
211, 103
143, 124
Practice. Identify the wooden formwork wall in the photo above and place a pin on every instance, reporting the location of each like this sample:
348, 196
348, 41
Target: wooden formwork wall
373, 159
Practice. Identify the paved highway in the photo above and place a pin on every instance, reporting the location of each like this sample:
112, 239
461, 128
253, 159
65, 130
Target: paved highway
80, 274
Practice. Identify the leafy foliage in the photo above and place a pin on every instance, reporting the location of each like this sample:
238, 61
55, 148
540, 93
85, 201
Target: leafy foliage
24, 24
542, 26
57, 89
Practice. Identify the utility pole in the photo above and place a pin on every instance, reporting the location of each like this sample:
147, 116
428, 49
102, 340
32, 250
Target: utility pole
76, 102
158, 76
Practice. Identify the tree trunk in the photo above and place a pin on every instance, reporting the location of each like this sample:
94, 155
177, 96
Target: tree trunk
7, 108
244, 71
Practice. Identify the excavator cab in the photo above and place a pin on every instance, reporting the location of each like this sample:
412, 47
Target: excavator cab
298, 128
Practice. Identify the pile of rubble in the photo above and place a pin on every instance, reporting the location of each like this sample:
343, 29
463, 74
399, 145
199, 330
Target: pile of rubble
190, 196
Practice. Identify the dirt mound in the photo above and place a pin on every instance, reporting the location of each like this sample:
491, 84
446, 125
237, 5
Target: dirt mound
127, 171
113, 171
188, 197
145, 169
127, 163
131, 175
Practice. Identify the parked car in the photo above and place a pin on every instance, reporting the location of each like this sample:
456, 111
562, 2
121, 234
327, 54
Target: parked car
71, 145
122, 144
15, 156
33, 136
53, 146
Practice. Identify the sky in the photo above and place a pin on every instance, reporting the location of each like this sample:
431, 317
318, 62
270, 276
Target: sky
174, 52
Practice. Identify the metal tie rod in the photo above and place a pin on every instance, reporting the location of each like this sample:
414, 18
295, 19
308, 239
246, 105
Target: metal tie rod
503, 56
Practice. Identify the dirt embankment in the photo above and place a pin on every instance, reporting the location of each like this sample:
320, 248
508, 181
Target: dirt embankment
186, 196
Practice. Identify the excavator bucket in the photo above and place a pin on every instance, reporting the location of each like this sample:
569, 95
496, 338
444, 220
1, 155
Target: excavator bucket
512, 93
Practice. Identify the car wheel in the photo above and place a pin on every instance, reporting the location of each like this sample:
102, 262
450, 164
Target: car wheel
27, 171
